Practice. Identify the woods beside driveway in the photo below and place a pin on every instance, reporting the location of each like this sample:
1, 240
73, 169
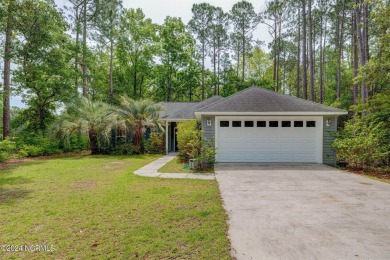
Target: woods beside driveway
304, 211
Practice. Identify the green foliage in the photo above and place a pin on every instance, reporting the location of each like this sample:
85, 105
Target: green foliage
120, 149
92, 119
43, 53
7, 148
188, 139
207, 154
359, 145
364, 141
155, 144
138, 114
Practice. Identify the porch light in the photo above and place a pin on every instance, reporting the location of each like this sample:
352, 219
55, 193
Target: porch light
208, 122
328, 122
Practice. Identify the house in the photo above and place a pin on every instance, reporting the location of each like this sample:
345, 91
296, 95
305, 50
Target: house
259, 125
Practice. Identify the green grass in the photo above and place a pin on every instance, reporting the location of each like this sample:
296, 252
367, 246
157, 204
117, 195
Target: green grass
176, 166
95, 207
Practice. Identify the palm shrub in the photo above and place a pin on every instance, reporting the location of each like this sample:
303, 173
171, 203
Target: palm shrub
86, 117
138, 114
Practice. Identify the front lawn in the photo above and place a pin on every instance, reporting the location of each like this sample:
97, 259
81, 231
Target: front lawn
176, 166
95, 207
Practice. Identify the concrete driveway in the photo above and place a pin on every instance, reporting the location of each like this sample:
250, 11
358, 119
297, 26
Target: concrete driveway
304, 211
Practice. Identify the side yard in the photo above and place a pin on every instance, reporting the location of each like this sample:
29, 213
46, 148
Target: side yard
94, 207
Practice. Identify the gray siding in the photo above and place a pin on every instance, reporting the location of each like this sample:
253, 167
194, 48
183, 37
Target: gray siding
208, 131
328, 154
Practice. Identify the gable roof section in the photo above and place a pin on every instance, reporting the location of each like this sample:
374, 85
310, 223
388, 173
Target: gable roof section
173, 107
189, 112
261, 101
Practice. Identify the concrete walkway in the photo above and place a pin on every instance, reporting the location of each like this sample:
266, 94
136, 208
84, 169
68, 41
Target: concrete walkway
150, 170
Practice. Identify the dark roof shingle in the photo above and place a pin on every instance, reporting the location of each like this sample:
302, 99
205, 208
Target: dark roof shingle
188, 113
173, 107
256, 99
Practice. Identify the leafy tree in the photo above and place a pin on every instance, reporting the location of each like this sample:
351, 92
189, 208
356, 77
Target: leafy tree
137, 47
137, 114
43, 53
177, 51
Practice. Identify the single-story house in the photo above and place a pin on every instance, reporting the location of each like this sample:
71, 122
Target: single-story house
259, 125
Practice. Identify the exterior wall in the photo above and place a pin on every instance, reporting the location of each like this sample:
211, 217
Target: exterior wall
328, 154
208, 131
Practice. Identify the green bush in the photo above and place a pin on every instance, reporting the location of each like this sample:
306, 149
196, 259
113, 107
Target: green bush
121, 149
7, 149
207, 154
364, 141
359, 144
155, 144
188, 139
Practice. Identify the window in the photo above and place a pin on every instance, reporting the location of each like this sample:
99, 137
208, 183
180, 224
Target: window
310, 123
273, 123
261, 124
298, 123
286, 123
236, 124
121, 134
224, 124
248, 123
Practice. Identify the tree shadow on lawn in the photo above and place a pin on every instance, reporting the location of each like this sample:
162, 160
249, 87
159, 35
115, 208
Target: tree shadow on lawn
10, 196
11, 186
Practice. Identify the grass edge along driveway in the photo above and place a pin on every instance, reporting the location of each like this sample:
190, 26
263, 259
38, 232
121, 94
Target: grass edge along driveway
95, 207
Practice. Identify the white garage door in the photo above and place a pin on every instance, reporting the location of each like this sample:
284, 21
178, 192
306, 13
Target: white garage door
269, 139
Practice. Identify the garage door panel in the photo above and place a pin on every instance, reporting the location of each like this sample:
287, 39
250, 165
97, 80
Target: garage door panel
265, 144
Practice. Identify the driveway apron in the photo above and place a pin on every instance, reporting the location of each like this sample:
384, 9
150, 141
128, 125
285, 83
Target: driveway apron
304, 211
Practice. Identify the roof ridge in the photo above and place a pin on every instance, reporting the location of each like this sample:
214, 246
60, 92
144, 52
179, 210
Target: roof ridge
301, 99
226, 98
197, 103
271, 91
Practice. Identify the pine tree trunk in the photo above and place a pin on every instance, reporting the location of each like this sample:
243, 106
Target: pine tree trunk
243, 56
299, 52
340, 50
355, 61
321, 60
85, 87
135, 80
215, 67
111, 79
7, 73
275, 58
311, 53
279, 50
362, 46
77, 50
203, 57
304, 52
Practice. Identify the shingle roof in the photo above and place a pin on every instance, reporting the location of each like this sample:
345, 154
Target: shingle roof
173, 107
188, 113
256, 99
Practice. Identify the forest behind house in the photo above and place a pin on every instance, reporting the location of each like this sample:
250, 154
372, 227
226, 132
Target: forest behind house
332, 52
